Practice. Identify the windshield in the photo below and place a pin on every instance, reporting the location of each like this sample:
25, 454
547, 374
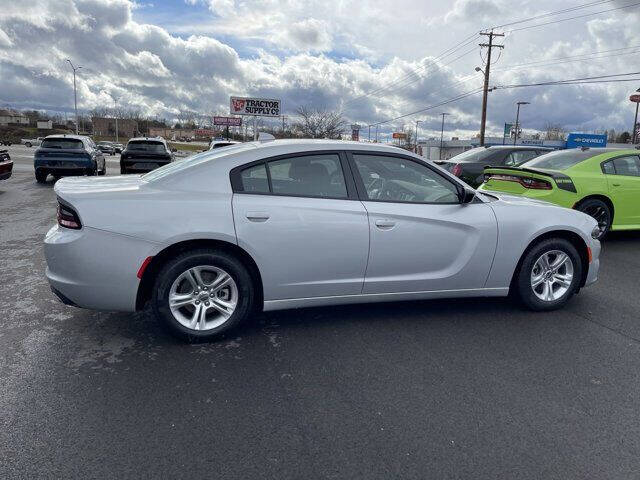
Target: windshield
561, 159
63, 143
145, 146
188, 162
473, 155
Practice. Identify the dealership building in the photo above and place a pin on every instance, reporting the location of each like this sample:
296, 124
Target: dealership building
450, 148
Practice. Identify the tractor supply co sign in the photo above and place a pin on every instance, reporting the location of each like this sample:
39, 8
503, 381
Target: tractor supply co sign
264, 107
227, 121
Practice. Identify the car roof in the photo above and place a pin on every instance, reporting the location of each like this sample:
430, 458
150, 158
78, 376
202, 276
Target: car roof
63, 135
517, 147
324, 144
146, 139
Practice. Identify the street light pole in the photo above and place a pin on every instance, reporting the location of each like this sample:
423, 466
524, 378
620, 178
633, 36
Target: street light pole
515, 137
115, 114
442, 135
75, 96
634, 135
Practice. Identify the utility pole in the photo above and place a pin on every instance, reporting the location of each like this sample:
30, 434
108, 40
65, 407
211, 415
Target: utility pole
634, 135
442, 134
515, 137
369, 133
490, 46
376, 133
75, 95
417, 122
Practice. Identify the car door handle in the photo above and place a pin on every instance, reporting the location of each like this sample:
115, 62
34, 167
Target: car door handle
257, 216
385, 224
615, 184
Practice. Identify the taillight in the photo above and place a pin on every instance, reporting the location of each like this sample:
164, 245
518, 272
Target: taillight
526, 182
68, 218
457, 170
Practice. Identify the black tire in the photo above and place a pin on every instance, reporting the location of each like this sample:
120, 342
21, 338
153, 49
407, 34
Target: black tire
123, 170
522, 284
41, 177
28, 144
172, 269
600, 211
104, 170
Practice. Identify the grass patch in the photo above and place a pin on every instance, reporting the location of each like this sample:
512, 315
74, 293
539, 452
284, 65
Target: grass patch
187, 147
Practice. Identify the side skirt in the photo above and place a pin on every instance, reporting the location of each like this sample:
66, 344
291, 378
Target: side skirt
382, 297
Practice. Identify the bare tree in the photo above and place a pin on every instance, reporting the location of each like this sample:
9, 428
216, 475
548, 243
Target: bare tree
554, 132
316, 123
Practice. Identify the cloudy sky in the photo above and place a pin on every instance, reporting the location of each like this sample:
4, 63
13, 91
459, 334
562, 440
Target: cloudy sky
372, 59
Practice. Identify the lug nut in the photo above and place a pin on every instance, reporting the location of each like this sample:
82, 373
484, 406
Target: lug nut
197, 302
206, 304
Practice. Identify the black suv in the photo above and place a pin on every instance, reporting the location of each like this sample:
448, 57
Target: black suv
144, 154
469, 165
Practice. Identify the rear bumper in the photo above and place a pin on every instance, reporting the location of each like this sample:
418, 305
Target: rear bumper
64, 167
94, 269
6, 168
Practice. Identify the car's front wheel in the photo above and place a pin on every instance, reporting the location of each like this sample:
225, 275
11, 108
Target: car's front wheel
549, 274
200, 294
600, 211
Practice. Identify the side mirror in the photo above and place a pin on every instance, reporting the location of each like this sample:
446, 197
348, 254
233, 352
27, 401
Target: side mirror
466, 195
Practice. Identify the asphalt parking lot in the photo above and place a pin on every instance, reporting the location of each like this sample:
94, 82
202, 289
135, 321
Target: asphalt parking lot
434, 389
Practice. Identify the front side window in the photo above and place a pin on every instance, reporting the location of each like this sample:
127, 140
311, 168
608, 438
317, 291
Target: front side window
394, 179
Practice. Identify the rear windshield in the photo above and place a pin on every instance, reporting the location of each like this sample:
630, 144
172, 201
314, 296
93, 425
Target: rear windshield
105, 143
561, 159
63, 143
145, 146
473, 155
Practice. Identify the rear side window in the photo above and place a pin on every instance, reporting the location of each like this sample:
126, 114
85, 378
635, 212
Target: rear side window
628, 166
63, 143
254, 179
145, 146
306, 176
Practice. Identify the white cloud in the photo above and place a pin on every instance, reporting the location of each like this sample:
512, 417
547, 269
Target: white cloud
320, 53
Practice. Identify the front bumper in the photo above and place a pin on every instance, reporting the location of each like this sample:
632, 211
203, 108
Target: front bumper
594, 266
94, 269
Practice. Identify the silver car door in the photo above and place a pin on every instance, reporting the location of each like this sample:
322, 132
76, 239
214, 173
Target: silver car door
300, 219
422, 237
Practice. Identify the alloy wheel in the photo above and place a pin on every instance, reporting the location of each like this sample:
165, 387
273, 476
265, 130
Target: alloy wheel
552, 275
203, 297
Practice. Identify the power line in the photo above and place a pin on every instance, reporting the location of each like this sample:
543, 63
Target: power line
549, 14
446, 102
572, 18
573, 81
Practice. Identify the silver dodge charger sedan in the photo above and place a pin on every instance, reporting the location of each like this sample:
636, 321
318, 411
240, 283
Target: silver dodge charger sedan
294, 223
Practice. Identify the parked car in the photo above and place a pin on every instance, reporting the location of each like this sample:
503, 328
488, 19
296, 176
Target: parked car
221, 143
469, 165
601, 182
6, 165
31, 142
119, 147
296, 223
107, 147
64, 155
8, 143
145, 154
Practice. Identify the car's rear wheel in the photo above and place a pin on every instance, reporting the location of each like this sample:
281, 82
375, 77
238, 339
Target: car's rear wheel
600, 211
123, 170
549, 274
201, 294
41, 177
28, 144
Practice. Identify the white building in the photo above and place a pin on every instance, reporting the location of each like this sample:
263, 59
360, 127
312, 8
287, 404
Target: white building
9, 116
